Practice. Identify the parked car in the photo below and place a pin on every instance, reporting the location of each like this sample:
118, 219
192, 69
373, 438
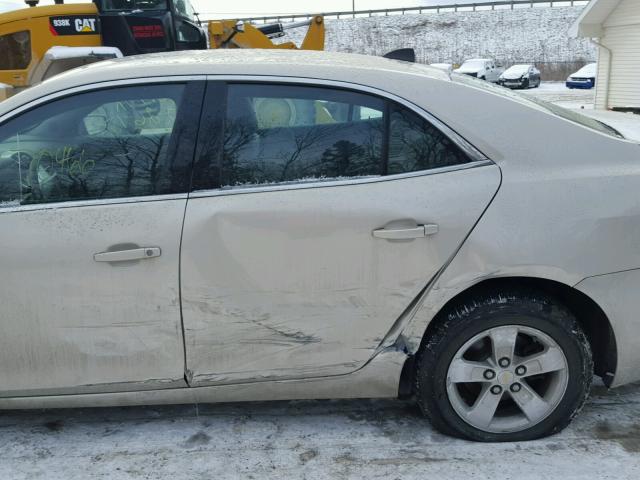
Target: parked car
583, 78
200, 227
520, 76
482, 68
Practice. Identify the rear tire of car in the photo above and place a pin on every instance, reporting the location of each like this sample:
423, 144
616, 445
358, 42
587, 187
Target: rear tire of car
532, 315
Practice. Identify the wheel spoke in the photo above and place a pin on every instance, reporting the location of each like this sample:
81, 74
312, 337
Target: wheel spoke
503, 342
484, 409
531, 404
551, 360
464, 371
488, 368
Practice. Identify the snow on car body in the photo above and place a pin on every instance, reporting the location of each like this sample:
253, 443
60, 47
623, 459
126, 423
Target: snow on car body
520, 76
583, 78
219, 226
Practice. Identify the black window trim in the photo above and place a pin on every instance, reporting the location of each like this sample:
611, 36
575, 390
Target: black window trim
215, 106
194, 96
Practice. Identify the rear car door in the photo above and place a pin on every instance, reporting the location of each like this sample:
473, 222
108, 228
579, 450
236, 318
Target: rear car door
93, 190
318, 215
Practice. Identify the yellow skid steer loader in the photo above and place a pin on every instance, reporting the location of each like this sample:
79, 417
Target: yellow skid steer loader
37, 43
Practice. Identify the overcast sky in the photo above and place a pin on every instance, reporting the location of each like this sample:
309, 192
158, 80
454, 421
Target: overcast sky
247, 8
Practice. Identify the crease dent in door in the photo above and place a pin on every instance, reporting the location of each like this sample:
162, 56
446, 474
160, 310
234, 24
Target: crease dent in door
292, 283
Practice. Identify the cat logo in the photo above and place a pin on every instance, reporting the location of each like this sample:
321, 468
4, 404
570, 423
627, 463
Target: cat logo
74, 25
85, 25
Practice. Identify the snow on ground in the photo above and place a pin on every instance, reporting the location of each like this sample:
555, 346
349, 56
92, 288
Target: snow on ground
628, 124
558, 93
374, 439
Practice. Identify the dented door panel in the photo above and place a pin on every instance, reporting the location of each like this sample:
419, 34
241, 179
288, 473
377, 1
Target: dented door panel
292, 282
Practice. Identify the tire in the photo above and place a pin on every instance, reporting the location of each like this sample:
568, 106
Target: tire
439, 395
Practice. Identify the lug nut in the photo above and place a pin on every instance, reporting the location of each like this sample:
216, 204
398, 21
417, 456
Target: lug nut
521, 370
496, 389
516, 387
489, 374
504, 362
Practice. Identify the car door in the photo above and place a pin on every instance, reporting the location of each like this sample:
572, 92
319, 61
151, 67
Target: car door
93, 189
318, 216
536, 75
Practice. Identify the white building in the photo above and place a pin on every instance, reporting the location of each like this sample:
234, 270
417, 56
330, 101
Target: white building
614, 25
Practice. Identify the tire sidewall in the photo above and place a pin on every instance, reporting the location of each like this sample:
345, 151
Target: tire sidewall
539, 316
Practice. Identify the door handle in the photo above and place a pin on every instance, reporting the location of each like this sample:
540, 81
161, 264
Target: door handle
128, 255
406, 233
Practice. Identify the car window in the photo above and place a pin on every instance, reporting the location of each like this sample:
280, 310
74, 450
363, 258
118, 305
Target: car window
285, 134
16, 50
103, 144
415, 144
276, 133
184, 8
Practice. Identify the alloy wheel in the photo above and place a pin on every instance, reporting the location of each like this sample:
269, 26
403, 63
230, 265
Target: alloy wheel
507, 379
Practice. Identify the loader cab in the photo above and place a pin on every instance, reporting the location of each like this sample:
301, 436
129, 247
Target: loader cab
148, 26
28, 34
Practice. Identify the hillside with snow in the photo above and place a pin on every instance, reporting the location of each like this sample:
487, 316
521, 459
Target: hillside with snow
523, 35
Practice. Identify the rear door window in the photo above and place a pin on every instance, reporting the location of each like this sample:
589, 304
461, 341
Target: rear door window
415, 144
274, 134
277, 134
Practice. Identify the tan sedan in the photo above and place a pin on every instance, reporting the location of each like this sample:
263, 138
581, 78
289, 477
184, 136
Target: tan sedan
221, 226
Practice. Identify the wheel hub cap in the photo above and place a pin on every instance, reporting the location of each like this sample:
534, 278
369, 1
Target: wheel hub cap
505, 378
517, 397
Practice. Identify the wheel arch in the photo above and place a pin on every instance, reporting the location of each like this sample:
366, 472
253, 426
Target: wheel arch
588, 313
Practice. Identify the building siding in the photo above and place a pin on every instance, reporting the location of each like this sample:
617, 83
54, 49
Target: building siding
622, 36
626, 13
601, 79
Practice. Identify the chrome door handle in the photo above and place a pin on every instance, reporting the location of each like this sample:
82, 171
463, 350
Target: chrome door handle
128, 255
406, 233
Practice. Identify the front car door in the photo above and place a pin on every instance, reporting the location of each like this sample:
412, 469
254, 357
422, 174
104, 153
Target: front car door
93, 190
318, 216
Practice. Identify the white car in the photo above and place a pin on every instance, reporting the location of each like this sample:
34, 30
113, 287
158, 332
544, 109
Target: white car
482, 68
253, 225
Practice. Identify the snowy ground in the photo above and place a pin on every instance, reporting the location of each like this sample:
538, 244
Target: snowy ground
626, 123
314, 440
559, 94
382, 439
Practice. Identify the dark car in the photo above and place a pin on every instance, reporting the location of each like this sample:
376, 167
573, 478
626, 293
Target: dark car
520, 76
583, 78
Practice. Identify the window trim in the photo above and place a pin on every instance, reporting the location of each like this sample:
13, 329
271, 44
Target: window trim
477, 158
195, 86
216, 192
